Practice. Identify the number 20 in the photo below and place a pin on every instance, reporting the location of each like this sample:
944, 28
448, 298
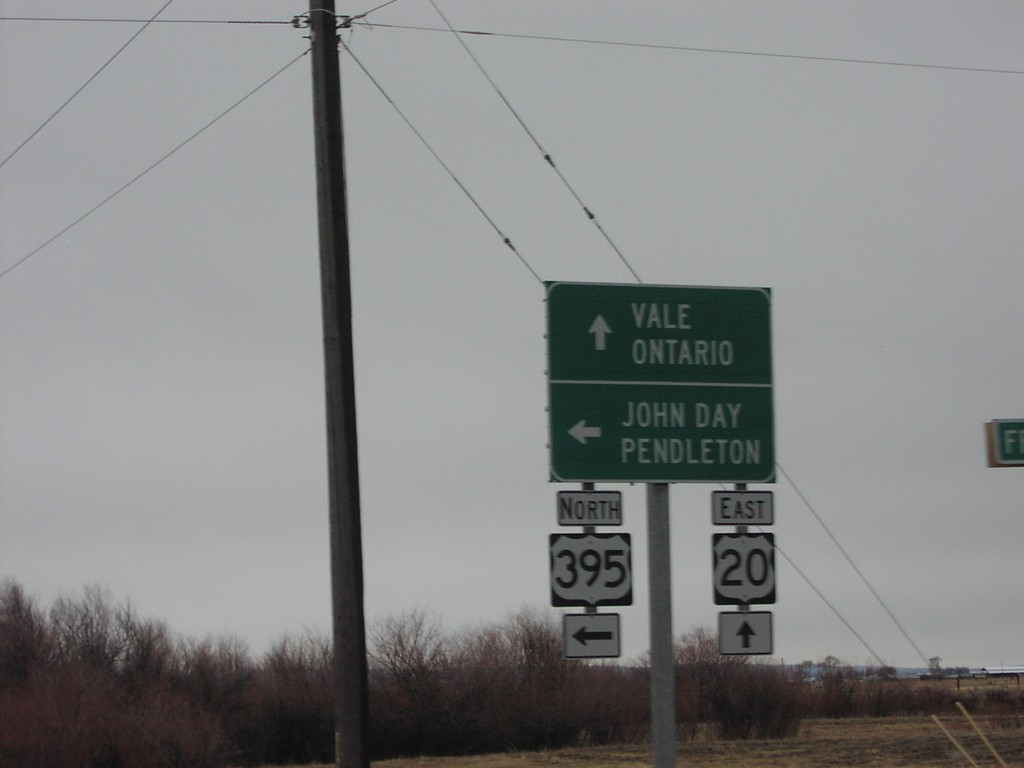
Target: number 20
757, 579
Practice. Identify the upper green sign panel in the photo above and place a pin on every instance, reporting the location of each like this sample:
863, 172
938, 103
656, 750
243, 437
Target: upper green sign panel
651, 383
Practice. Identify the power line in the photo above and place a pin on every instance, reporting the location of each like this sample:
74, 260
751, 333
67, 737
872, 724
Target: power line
547, 157
364, 14
72, 19
638, 279
558, 39
823, 598
341, 21
122, 188
863, 578
85, 84
853, 565
827, 602
139, 21
696, 49
444, 165
811, 584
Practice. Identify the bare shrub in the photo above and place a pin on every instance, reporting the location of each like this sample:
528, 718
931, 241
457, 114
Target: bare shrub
997, 703
215, 676
615, 704
85, 630
408, 662
407, 647
839, 689
289, 704
880, 697
700, 671
59, 719
25, 638
757, 701
544, 702
85, 685
491, 689
167, 729
77, 715
480, 674
214, 672
743, 699
146, 650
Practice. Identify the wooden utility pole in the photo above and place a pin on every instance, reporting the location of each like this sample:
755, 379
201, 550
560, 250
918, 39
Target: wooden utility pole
351, 710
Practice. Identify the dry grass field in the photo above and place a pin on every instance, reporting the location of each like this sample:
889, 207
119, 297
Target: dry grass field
893, 742
911, 742
904, 742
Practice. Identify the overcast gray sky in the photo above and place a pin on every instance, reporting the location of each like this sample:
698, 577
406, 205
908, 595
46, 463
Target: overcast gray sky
161, 390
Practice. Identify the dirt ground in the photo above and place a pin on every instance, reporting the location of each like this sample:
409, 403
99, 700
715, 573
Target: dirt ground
911, 742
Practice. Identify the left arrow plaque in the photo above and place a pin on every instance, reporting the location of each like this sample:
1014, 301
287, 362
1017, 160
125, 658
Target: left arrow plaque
591, 636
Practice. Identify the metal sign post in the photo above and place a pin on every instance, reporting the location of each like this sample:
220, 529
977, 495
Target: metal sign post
663, 676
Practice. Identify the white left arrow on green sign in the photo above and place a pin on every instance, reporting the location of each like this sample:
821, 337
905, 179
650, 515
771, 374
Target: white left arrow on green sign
582, 432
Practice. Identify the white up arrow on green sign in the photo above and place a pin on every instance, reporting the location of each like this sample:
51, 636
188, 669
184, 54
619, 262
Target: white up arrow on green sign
660, 383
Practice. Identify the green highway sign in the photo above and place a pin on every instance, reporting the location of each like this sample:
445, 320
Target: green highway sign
652, 383
1005, 442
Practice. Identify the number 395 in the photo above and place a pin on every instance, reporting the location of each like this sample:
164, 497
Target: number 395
590, 565
590, 569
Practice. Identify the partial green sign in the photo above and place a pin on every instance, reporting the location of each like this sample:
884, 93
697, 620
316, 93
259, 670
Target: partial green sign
1006, 443
660, 383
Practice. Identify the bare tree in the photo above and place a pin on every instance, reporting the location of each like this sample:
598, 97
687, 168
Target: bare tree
25, 639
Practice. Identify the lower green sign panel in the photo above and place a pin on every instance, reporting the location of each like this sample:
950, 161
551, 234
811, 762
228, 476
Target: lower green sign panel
636, 432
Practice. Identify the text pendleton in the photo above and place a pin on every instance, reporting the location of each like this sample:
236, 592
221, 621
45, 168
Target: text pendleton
688, 450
